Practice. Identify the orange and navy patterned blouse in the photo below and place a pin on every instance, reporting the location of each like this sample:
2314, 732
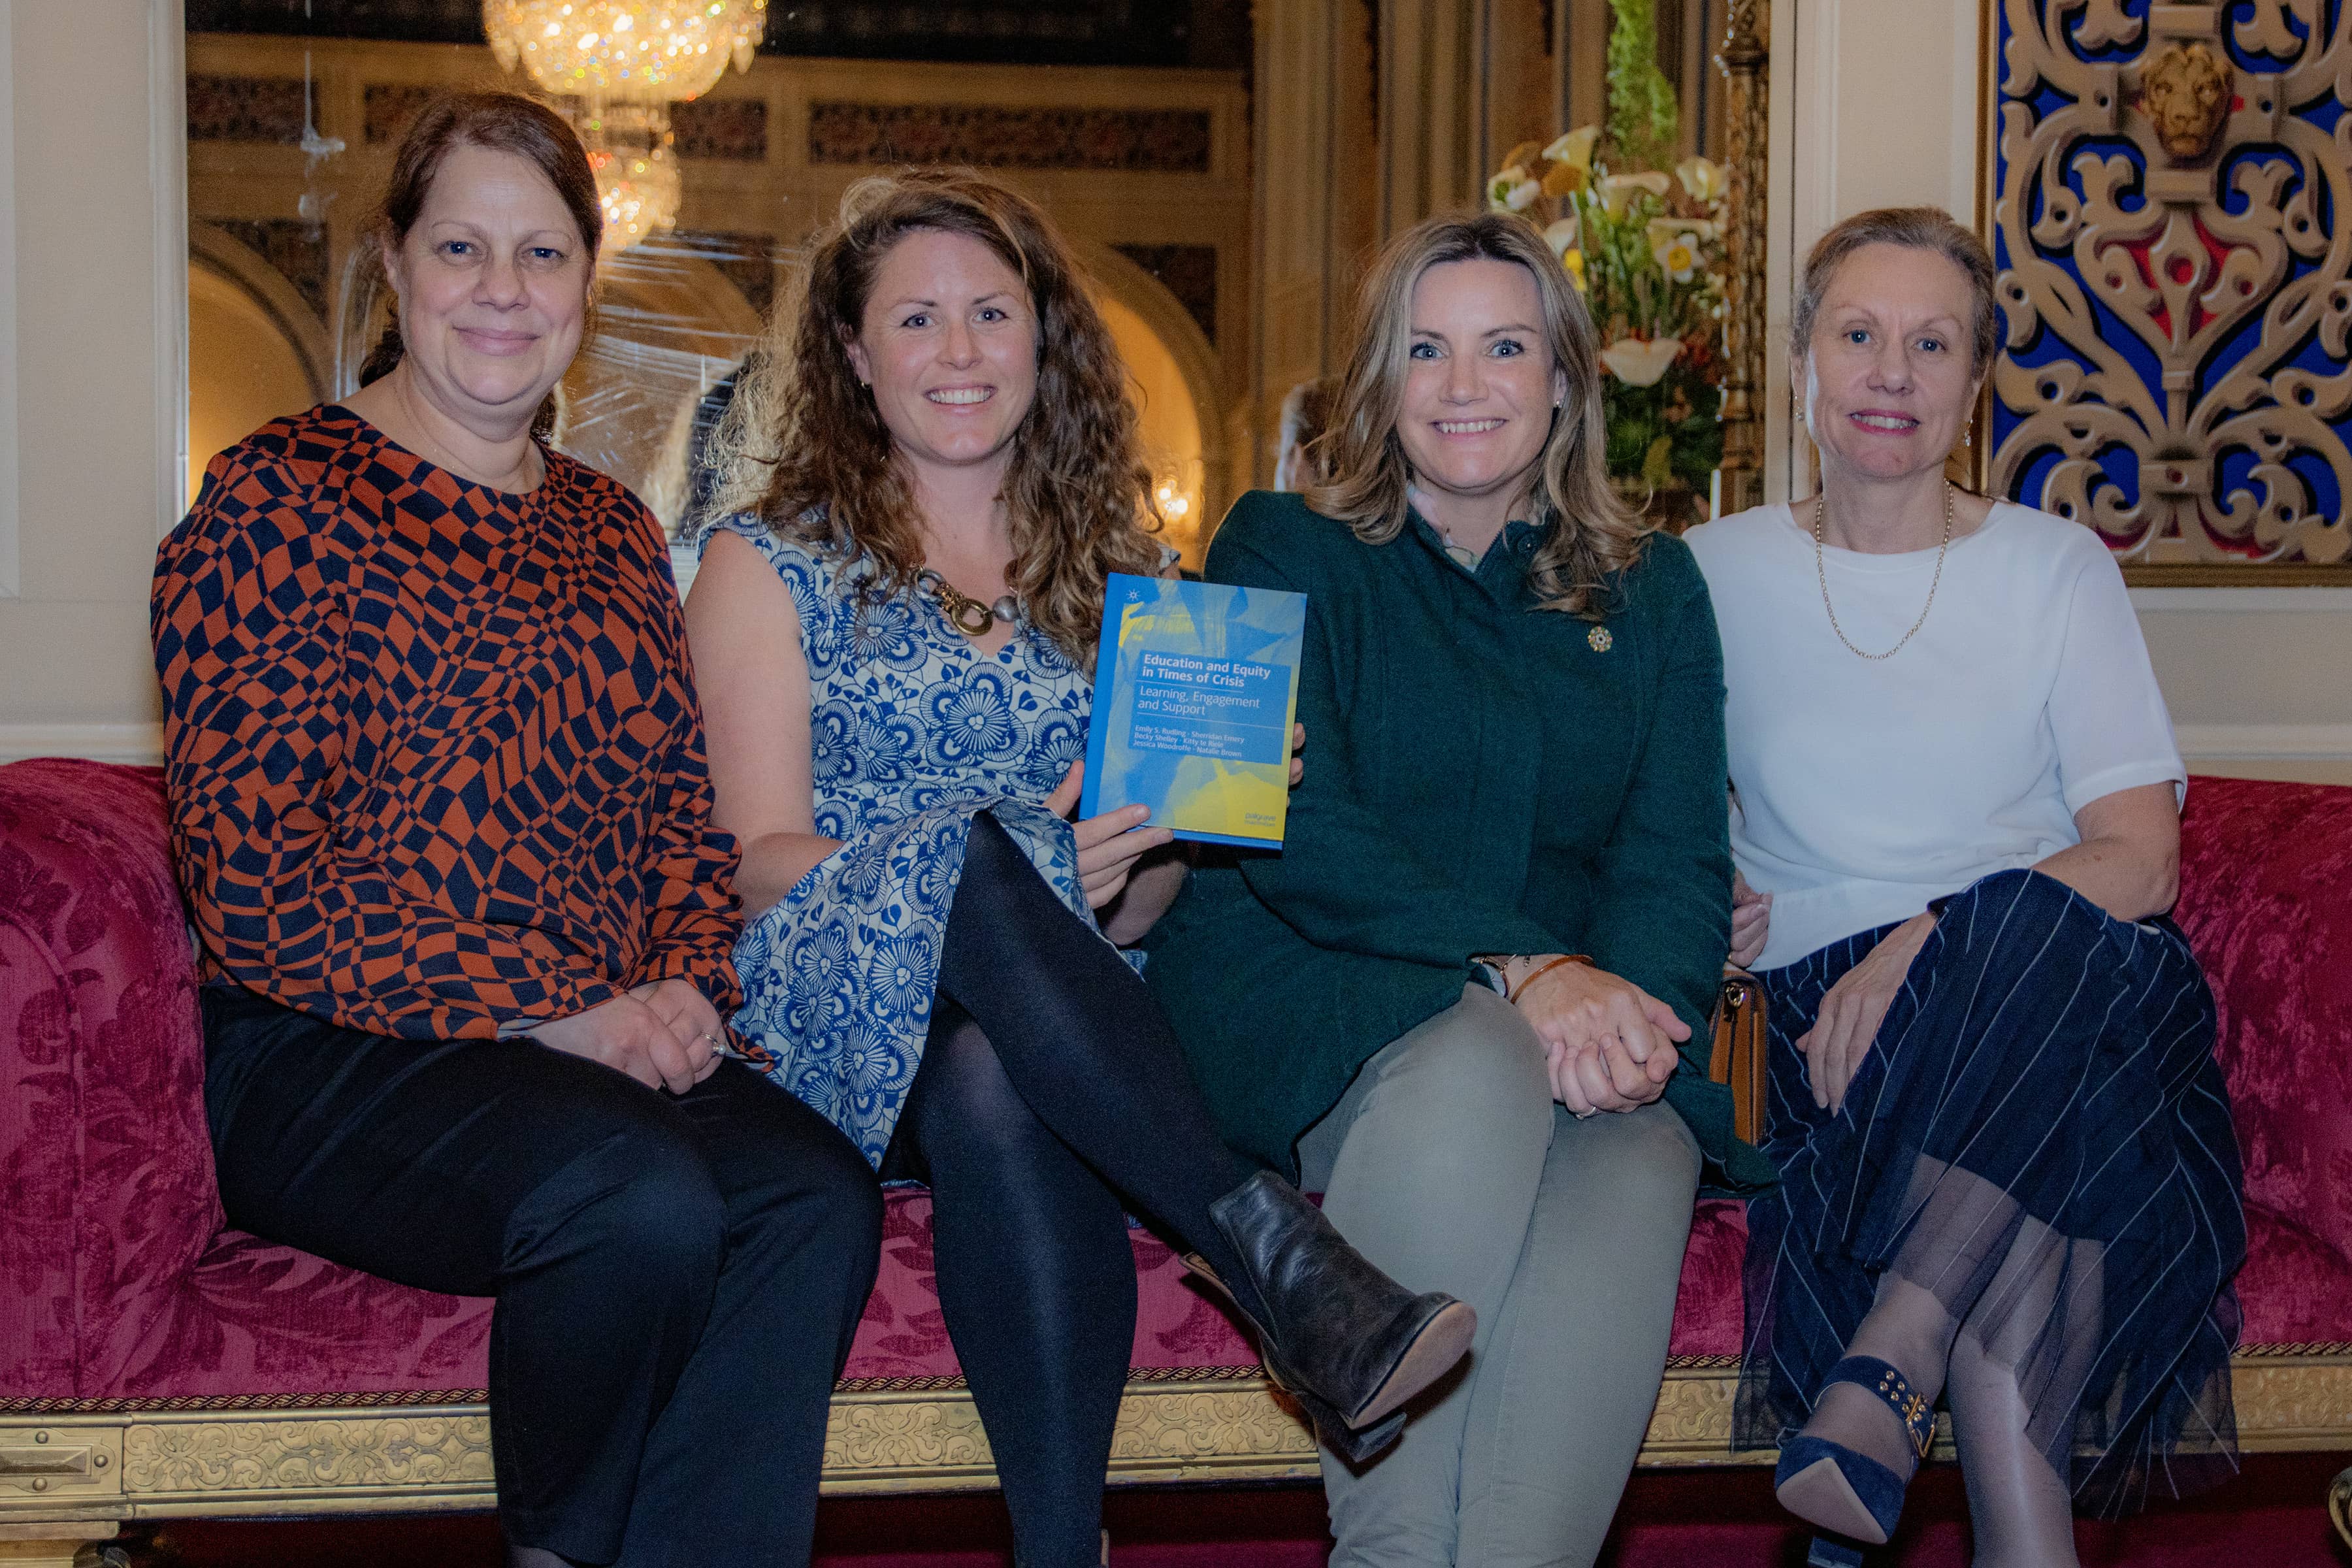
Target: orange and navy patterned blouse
434, 762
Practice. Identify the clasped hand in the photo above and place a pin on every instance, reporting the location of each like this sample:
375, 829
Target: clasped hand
1608, 1044
665, 1033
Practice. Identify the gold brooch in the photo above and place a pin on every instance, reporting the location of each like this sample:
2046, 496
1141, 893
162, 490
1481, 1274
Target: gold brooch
1600, 638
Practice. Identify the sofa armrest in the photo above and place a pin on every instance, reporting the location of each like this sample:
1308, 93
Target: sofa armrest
104, 1150
2266, 899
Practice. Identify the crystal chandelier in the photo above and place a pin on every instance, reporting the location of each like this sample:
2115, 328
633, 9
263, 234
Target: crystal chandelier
627, 61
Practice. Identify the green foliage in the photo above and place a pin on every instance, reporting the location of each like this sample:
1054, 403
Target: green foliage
1668, 435
1643, 117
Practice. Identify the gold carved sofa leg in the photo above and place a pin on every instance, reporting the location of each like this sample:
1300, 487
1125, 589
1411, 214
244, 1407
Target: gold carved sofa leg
50, 1544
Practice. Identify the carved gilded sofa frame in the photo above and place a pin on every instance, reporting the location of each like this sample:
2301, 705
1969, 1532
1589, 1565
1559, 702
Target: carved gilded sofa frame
70, 1479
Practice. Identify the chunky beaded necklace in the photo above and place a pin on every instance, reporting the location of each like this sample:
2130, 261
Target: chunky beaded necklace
968, 615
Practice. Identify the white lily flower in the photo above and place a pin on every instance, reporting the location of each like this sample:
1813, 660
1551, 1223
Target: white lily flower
1512, 190
1561, 235
1639, 363
1575, 147
1617, 190
1661, 229
1703, 178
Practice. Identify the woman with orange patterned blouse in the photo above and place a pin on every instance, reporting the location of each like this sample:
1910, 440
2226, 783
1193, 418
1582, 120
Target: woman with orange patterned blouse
440, 803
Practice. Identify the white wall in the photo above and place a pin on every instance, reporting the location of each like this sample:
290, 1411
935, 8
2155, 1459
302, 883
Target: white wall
1876, 103
99, 266
8, 577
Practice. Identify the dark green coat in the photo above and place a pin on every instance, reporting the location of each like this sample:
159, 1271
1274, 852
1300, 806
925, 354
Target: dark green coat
1482, 776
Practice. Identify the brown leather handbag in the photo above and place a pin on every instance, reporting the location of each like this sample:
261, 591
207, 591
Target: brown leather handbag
1739, 1047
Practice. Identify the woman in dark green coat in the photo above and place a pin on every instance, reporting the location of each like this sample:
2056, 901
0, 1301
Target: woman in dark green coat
1467, 999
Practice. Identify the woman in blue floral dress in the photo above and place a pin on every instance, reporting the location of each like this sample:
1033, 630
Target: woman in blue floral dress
938, 470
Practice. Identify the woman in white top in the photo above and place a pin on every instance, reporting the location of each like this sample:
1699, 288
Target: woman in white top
2009, 1176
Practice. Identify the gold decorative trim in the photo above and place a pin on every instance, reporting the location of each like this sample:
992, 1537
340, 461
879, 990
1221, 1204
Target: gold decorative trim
157, 1463
1746, 92
2177, 263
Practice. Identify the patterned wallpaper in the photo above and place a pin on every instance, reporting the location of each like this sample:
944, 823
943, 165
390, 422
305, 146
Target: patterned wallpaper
735, 129
244, 109
1155, 141
389, 107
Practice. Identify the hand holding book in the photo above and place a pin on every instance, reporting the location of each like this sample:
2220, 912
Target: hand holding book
1109, 844
1195, 689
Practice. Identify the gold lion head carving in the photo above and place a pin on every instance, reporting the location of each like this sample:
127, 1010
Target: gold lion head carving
2186, 92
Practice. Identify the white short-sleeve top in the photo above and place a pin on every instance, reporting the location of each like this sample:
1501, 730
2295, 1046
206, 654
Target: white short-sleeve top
1865, 788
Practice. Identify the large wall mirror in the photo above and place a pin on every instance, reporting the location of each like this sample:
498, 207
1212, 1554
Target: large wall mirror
1128, 121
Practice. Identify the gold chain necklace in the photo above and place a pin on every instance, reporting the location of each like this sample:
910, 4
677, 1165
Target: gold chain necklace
1821, 512
968, 615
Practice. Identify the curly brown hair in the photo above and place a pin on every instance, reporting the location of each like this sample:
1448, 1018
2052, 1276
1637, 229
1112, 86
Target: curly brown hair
1594, 536
806, 450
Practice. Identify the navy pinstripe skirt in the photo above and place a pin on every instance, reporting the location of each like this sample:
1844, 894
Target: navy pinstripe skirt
2039, 1135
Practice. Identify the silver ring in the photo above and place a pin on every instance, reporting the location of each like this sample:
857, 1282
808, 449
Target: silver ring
716, 1043
1585, 1115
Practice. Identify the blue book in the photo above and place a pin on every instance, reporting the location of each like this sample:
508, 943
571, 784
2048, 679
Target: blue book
1195, 690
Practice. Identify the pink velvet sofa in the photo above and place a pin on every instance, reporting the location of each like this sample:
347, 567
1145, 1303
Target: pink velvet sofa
153, 1364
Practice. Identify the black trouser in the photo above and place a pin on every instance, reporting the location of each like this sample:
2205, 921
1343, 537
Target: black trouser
1051, 1085
678, 1276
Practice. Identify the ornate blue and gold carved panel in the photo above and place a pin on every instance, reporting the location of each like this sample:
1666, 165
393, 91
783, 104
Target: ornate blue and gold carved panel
2169, 191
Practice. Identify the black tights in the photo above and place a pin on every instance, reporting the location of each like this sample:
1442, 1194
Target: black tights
1051, 1086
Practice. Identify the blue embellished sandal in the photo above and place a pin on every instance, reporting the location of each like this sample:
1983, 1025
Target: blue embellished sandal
1851, 1494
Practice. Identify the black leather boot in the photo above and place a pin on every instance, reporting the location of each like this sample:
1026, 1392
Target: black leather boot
1348, 1342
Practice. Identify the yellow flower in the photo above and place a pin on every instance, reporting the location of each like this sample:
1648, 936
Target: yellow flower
1525, 156
1575, 148
1574, 261
1677, 259
1565, 180
1705, 178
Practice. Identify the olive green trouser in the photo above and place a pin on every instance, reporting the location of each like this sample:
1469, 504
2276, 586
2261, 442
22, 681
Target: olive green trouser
1448, 1163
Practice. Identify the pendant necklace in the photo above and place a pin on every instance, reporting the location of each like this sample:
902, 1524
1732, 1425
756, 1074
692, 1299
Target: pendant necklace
1462, 555
1821, 512
968, 616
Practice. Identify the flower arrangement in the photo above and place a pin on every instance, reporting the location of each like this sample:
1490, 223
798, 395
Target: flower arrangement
1645, 247
1646, 250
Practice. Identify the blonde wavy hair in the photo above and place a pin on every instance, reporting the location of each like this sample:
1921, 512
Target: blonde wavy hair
805, 448
1593, 536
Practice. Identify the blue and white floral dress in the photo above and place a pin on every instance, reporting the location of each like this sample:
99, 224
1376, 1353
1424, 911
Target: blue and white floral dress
911, 730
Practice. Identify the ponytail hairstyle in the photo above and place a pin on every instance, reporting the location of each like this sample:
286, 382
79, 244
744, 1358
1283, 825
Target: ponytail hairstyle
501, 122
